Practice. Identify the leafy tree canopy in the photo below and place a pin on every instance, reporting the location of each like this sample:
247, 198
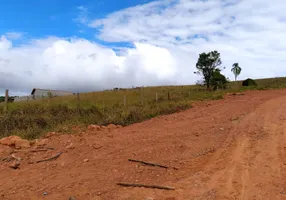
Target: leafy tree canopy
236, 70
218, 80
207, 64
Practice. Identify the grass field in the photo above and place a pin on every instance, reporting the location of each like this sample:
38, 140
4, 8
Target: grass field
32, 119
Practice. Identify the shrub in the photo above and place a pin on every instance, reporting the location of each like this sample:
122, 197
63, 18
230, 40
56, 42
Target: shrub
249, 82
218, 80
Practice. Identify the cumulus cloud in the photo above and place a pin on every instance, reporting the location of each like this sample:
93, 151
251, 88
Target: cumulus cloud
80, 65
168, 36
248, 31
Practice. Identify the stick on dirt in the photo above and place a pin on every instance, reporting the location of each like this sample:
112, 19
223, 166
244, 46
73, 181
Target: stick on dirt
52, 158
146, 186
151, 164
49, 148
38, 150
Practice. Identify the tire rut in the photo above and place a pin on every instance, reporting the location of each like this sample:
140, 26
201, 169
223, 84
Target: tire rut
253, 165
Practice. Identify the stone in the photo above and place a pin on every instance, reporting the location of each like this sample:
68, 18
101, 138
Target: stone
111, 126
50, 134
5, 150
93, 127
15, 141
96, 146
22, 143
72, 198
15, 164
119, 126
85, 160
70, 146
41, 142
9, 141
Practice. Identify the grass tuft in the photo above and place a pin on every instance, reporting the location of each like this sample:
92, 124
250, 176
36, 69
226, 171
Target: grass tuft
32, 119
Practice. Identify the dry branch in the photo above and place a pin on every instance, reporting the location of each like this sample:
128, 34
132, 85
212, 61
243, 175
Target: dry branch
52, 158
146, 186
44, 147
6, 159
38, 150
151, 164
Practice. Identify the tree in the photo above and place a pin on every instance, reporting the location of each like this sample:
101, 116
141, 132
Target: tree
207, 64
218, 80
236, 70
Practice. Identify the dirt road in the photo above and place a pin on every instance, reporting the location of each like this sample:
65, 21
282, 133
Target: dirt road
227, 149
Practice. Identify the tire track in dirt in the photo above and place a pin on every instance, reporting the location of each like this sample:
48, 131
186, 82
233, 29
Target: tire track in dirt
253, 165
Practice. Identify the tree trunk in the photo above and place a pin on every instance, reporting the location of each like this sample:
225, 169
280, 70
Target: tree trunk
208, 84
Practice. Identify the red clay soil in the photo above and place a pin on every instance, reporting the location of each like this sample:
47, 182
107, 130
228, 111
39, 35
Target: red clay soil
227, 149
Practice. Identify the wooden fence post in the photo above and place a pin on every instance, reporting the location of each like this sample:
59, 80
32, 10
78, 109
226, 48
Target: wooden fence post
6, 100
78, 102
49, 98
142, 96
103, 105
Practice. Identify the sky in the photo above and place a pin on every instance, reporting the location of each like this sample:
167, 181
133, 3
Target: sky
90, 45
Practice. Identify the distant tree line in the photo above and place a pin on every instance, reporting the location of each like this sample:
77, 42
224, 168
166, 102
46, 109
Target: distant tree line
10, 99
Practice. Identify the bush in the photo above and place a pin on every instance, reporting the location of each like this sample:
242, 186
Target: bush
218, 80
249, 82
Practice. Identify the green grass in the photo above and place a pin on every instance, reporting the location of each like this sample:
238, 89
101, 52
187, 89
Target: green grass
32, 119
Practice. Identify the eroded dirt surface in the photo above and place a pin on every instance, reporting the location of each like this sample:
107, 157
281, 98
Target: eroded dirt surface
227, 149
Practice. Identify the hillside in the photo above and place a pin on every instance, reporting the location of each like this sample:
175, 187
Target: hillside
233, 148
33, 118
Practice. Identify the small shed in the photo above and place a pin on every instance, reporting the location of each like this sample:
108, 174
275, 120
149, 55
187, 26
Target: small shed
42, 93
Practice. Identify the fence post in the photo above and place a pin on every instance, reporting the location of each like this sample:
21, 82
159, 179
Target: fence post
103, 105
49, 98
6, 100
78, 102
141, 92
124, 100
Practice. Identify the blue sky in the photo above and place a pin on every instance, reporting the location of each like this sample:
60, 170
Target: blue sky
38, 19
82, 45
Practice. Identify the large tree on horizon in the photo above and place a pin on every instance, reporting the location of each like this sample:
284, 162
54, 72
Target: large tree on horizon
207, 64
236, 70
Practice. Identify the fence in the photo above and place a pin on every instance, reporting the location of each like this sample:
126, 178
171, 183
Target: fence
110, 99
23, 98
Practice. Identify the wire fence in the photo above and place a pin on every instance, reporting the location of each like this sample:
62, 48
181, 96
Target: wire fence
109, 98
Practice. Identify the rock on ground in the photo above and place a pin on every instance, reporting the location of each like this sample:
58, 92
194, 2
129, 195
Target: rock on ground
93, 127
111, 126
15, 141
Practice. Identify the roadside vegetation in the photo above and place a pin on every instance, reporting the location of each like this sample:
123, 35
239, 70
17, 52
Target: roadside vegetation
32, 119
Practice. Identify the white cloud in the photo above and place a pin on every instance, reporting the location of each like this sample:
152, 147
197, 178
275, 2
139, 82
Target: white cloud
250, 32
168, 36
82, 15
14, 35
80, 65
